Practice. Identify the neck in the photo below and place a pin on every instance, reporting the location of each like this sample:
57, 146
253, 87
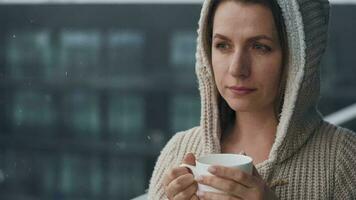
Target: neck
259, 121
253, 125
253, 133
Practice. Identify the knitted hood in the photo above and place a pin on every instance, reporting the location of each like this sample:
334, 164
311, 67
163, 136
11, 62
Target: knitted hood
306, 24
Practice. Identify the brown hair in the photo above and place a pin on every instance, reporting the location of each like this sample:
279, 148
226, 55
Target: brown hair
226, 114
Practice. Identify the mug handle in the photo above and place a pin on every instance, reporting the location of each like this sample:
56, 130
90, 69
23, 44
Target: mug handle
191, 167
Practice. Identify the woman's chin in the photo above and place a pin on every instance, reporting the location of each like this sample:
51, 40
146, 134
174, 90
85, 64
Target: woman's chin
242, 107
249, 106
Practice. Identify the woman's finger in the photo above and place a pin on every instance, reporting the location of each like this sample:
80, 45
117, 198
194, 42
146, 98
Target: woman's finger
179, 184
226, 185
189, 159
173, 174
233, 174
188, 193
215, 196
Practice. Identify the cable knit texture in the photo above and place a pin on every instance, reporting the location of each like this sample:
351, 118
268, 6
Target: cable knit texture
310, 158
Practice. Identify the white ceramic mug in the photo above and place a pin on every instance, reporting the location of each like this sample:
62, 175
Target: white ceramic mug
242, 162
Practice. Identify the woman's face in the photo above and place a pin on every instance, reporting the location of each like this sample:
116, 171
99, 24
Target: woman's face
246, 56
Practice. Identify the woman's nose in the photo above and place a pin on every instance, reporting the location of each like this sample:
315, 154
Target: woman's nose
240, 65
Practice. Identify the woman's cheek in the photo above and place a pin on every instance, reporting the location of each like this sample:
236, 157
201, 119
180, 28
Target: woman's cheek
219, 81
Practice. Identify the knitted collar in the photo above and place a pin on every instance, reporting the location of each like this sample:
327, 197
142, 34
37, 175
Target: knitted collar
306, 25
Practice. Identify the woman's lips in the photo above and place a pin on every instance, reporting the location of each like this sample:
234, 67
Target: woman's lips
241, 90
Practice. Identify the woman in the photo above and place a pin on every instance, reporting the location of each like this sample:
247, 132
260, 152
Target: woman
257, 66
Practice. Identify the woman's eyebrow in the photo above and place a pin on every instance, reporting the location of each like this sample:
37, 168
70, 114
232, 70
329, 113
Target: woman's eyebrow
254, 38
260, 37
217, 35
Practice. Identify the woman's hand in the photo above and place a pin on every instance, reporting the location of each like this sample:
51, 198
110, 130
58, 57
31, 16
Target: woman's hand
179, 182
237, 185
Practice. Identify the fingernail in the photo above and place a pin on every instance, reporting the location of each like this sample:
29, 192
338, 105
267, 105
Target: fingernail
200, 193
199, 178
212, 169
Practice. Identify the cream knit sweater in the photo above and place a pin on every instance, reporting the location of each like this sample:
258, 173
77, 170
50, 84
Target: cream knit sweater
310, 159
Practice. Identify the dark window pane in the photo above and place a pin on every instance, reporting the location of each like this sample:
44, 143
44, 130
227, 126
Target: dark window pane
185, 112
183, 45
31, 173
32, 109
80, 174
125, 52
126, 177
126, 116
28, 54
82, 110
79, 53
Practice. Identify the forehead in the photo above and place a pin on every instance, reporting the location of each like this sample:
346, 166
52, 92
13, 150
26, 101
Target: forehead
248, 18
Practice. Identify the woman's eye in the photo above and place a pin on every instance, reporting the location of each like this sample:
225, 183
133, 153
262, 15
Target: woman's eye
222, 46
262, 47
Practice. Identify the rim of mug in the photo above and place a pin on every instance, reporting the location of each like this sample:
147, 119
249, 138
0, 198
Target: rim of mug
246, 159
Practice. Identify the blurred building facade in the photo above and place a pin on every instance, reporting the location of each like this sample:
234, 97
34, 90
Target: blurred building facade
91, 93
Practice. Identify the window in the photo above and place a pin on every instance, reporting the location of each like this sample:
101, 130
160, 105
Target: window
185, 112
86, 96
183, 46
